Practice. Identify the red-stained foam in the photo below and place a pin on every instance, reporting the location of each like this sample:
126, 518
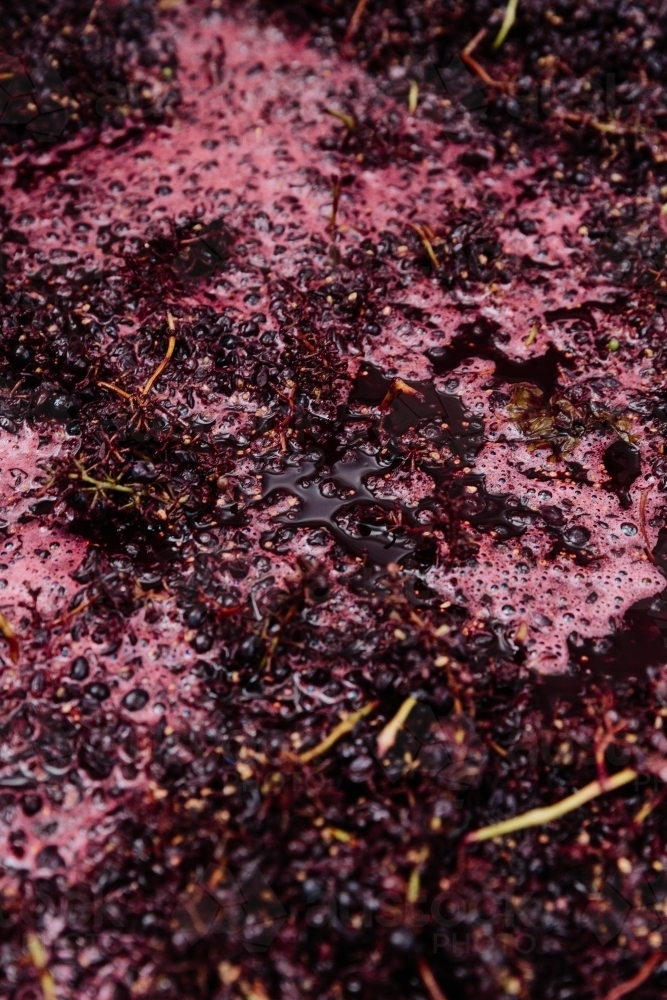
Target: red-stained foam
266, 124
560, 597
36, 559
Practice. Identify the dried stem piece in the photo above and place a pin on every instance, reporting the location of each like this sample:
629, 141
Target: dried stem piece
355, 22
547, 814
429, 980
163, 364
397, 387
631, 984
425, 236
466, 56
342, 729
71, 614
642, 521
115, 388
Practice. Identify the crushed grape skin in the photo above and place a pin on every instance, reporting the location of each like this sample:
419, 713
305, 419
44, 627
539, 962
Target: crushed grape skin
212, 617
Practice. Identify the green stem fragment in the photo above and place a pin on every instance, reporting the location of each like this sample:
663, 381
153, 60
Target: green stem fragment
347, 120
508, 22
344, 727
39, 959
547, 814
106, 484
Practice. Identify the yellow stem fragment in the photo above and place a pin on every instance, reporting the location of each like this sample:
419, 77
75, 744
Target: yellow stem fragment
645, 811
8, 634
347, 120
414, 886
344, 727
330, 833
413, 97
40, 960
547, 814
426, 243
508, 23
387, 737
532, 336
